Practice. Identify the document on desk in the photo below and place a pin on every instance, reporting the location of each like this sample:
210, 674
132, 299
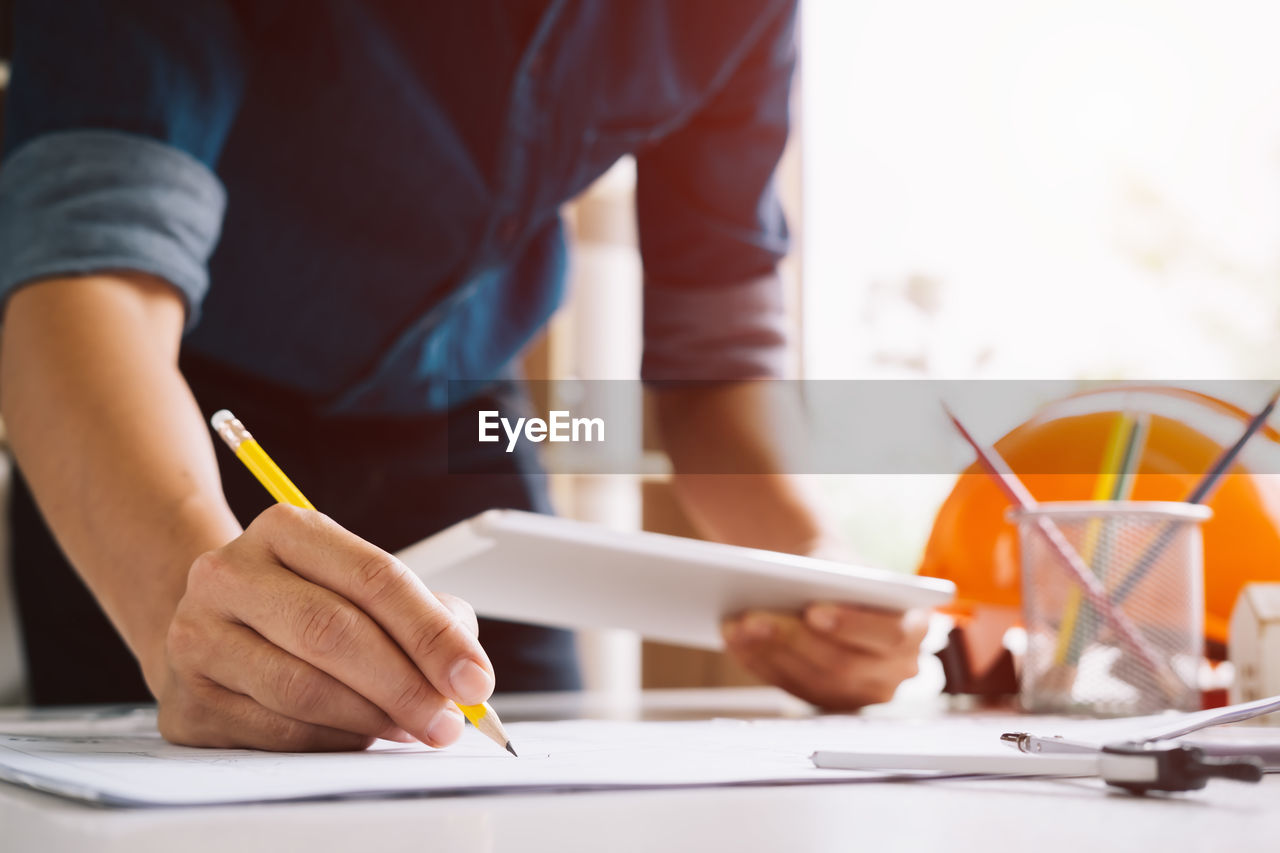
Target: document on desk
121, 760
133, 766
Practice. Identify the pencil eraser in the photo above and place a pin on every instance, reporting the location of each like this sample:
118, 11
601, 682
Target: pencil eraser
220, 417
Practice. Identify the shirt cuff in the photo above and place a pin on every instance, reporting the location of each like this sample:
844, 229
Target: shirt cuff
723, 334
89, 201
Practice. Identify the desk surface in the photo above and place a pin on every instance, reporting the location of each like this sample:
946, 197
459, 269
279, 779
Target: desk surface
1044, 816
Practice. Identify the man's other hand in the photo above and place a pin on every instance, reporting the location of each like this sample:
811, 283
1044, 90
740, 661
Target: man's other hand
837, 656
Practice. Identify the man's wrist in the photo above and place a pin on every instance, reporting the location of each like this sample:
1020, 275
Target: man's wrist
199, 526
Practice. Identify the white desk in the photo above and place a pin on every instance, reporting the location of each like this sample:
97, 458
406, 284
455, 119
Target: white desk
1071, 816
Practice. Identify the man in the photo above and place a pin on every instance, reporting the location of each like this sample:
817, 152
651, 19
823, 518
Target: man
316, 214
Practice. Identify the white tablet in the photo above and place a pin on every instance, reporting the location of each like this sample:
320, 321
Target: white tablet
554, 571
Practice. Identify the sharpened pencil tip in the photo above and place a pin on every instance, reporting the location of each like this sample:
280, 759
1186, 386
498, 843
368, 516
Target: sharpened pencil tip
510, 750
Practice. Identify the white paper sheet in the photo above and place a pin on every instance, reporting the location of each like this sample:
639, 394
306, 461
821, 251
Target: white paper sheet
121, 760
135, 767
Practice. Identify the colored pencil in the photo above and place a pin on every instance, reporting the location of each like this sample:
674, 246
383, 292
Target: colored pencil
1202, 492
1070, 561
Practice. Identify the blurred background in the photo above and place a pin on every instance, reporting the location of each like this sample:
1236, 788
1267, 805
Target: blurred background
1062, 189
990, 189
1066, 190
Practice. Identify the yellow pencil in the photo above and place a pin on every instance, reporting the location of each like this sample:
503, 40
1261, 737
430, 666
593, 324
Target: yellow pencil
248, 451
1103, 486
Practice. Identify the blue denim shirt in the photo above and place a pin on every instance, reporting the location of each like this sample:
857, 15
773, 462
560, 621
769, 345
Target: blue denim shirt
359, 200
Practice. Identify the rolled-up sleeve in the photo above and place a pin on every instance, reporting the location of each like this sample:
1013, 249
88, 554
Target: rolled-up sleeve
89, 201
116, 115
712, 230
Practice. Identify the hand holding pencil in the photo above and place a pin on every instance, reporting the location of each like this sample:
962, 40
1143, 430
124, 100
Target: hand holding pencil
299, 635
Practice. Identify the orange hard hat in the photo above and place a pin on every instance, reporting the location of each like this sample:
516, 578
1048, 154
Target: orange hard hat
1058, 452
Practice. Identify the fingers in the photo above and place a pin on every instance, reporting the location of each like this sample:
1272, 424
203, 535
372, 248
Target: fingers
301, 635
776, 633
865, 628
327, 631
440, 645
461, 610
243, 662
765, 644
821, 667
211, 716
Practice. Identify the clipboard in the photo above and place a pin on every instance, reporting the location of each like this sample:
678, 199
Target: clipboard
527, 567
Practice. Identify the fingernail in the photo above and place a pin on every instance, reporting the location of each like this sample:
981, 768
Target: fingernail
823, 618
758, 626
445, 727
471, 682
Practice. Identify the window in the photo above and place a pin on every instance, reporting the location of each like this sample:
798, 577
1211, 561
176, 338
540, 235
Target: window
1002, 189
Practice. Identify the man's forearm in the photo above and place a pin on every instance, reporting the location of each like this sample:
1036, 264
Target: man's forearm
754, 429
112, 443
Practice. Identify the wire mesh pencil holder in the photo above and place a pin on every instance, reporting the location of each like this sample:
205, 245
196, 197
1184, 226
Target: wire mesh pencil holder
1142, 656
